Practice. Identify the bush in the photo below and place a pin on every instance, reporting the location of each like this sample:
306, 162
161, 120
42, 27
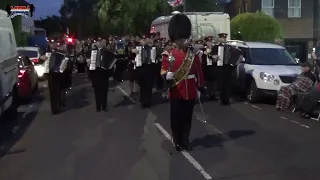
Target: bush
255, 27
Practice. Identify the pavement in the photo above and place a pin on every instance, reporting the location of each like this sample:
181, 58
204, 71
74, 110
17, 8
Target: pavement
240, 142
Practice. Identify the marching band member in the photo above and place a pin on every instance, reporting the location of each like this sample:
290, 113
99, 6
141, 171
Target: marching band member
120, 51
229, 58
147, 74
182, 68
57, 65
145, 60
101, 62
199, 47
158, 77
132, 68
209, 61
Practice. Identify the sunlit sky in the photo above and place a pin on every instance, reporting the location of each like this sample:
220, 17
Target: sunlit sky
46, 7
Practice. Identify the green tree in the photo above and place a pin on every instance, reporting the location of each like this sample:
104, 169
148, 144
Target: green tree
52, 24
255, 27
79, 15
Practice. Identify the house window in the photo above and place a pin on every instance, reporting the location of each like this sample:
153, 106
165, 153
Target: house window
294, 8
267, 6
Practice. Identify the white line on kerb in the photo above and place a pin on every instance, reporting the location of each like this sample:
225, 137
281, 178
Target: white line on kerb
168, 136
185, 154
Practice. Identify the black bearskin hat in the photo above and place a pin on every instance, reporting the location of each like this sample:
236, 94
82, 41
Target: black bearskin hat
179, 27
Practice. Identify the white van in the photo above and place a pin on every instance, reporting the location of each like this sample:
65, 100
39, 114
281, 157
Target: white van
8, 67
203, 24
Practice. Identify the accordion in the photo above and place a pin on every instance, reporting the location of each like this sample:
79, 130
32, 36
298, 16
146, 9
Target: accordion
138, 58
46, 63
58, 62
101, 59
148, 54
224, 53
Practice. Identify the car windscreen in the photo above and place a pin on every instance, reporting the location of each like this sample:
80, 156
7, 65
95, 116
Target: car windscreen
30, 54
271, 56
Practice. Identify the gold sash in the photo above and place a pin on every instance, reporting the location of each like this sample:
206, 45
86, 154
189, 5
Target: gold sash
183, 72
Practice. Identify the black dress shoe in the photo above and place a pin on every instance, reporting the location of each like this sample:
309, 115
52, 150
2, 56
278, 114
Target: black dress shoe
105, 109
178, 147
187, 147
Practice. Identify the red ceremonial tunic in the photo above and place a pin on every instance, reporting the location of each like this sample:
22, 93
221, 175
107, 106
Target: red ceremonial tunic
187, 88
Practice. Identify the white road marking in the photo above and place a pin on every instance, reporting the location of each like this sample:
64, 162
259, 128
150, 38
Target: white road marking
185, 154
296, 122
254, 106
168, 136
292, 121
126, 94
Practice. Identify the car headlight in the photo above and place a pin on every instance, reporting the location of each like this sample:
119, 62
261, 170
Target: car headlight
266, 77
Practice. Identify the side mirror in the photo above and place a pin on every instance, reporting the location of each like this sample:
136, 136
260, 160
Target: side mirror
297, 60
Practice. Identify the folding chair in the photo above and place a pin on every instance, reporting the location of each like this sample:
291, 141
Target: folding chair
318, 116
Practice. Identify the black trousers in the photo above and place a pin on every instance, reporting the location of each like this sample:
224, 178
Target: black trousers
181, 112
54, 84
159, 79
101, 97
120, 69
225, 73
100, 83
146, 82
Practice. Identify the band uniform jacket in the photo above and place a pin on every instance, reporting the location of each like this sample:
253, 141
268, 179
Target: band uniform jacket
210, 64
187, 88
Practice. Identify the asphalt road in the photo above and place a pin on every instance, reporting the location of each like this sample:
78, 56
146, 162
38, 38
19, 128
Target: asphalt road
241, 142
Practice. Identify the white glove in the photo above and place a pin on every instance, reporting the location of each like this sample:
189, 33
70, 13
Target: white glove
169, 75
199, 94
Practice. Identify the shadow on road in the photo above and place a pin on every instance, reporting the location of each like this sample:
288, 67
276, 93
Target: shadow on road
210, 141
13, 129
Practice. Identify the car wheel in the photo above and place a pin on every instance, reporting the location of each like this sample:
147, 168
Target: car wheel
13, 109
253, 94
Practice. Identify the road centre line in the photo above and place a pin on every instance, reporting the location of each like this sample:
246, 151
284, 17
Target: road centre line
296, 122
292, 121
191, 160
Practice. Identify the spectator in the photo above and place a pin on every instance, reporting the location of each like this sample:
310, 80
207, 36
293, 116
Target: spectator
307, 102
302, 84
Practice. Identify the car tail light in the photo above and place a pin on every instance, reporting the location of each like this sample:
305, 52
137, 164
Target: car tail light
21, 73
35, 60
69, 40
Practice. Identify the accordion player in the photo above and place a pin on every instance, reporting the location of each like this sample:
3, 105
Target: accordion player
101, 58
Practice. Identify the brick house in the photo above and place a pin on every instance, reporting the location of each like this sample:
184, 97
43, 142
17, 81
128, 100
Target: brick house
299, 19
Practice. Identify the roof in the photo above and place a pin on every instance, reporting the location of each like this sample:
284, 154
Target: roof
28, 48
255, 44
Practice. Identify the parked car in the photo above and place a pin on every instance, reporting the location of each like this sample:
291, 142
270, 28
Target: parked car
34, 53
28, 79
264, 70
8, 67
